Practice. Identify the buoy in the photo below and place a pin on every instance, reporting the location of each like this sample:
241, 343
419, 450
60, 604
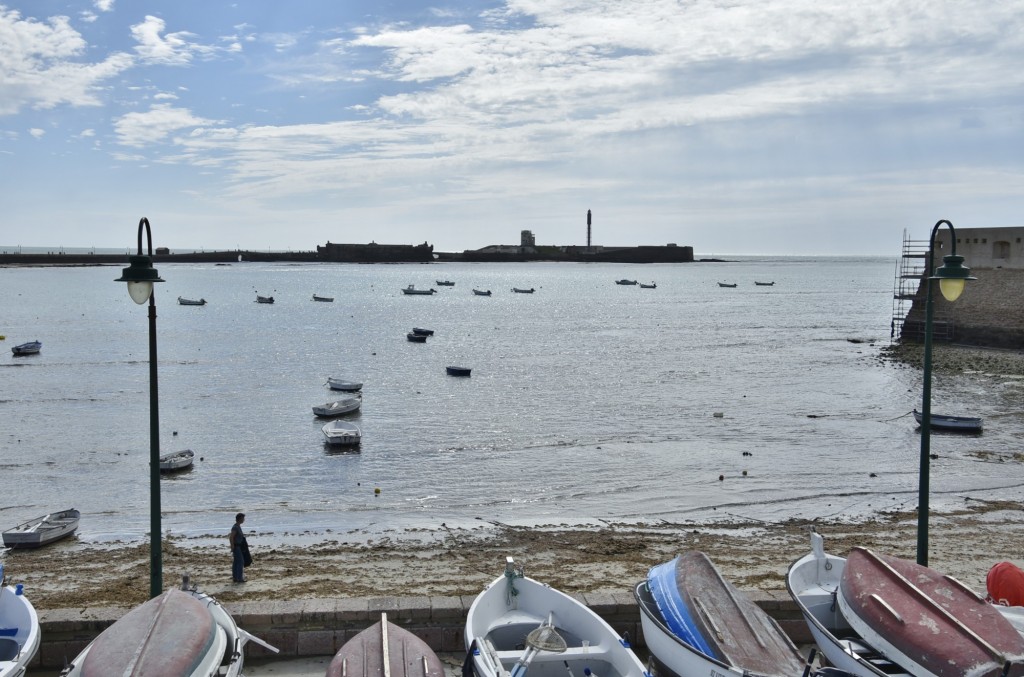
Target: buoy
376, 490
721, 477
718, 414
744, 473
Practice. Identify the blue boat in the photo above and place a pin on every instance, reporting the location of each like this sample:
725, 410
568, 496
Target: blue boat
696, 623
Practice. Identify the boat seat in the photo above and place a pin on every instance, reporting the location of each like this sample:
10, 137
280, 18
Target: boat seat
9, 649
572, 653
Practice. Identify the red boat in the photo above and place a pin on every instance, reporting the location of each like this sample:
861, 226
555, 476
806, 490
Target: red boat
385, 649
929, 623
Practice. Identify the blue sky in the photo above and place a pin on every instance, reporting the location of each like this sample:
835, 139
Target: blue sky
733, 126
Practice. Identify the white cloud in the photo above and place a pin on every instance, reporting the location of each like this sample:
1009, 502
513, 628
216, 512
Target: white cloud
86, 133
38, 67
161, 96
171, 49
37, 133
88, 16
155, 125
104, 5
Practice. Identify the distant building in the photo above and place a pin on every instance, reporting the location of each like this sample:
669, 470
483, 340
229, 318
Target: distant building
526, 239
375, 253
984, 247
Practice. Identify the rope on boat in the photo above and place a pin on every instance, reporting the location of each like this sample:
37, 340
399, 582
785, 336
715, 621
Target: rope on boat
511, 574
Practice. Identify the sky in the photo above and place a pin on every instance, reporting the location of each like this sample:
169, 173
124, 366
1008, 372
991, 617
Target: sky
801, 127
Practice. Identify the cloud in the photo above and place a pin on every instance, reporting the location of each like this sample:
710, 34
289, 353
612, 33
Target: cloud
104, 5
38, 66
37, 133
155, 125
171, 49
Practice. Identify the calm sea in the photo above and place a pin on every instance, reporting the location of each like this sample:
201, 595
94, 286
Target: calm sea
588, 400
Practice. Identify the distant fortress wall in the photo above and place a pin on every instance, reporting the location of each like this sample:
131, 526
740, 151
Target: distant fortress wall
376, 253
512, 253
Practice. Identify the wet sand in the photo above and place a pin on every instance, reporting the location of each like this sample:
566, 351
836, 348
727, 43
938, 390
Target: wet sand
445, 561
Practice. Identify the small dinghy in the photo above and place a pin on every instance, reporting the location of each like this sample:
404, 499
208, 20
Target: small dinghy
964, 424
43, 530
264, 299
182, 301
181, 633
323, 299
420, 331
517, 290
179, 460
411, 290
518, 624
458, 371
342, 434
30, 348
696, 623
19, 629
339, 407
482, 292
727, 285
445, 283
648, 286
344, 385
416, 338
385, 649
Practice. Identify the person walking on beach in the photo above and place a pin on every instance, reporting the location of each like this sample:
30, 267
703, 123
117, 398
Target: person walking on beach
239, 548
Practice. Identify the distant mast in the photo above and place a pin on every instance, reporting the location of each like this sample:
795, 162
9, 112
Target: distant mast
588, 230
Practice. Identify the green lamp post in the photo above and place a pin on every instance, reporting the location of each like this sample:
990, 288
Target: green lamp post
140, 276
951, 276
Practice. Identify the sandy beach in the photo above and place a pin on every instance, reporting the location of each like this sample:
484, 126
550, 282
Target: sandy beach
446, 561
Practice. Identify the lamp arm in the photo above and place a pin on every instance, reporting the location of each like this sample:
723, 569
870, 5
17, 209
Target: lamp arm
931, 243
148, 235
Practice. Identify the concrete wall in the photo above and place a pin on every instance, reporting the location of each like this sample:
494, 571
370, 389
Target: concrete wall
319, 627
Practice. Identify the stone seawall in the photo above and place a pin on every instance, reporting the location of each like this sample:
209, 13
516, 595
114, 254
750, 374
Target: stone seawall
989, 313
319, 627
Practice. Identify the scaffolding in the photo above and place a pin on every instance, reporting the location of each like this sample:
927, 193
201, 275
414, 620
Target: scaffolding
908, 304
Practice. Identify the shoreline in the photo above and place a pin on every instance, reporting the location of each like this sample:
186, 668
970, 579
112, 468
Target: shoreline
753, 555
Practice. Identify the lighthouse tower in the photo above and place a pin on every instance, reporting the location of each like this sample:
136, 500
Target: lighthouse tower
588, 229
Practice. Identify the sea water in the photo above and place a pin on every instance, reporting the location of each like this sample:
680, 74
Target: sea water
588, 400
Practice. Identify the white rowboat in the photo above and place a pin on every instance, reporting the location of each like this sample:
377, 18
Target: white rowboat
343, 385
179, 460
519, 626
42, 530
339, 407
19, 630
342, 433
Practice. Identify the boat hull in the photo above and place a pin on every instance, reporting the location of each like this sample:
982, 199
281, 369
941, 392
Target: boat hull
705, 612
458, 371
966, 424
385, 644
813, 583
180, 460
344, 386
42, 530
30, 348
902, 609
341, 434
18, 649
345, 406
499, 621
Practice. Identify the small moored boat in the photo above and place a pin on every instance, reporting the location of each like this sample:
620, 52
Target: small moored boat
625, 282
264, 299
458, 371
339, 407
727, 284
412, 290
323, 299
344, 385
648, 286
182, 301
181, 632
341, 433
385, 649
416, 338
765, 284
517, 290
43, 530
445, 283
19, 629
179, 460
518, 624
422, 332
30, 348
966, 424
482, 292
